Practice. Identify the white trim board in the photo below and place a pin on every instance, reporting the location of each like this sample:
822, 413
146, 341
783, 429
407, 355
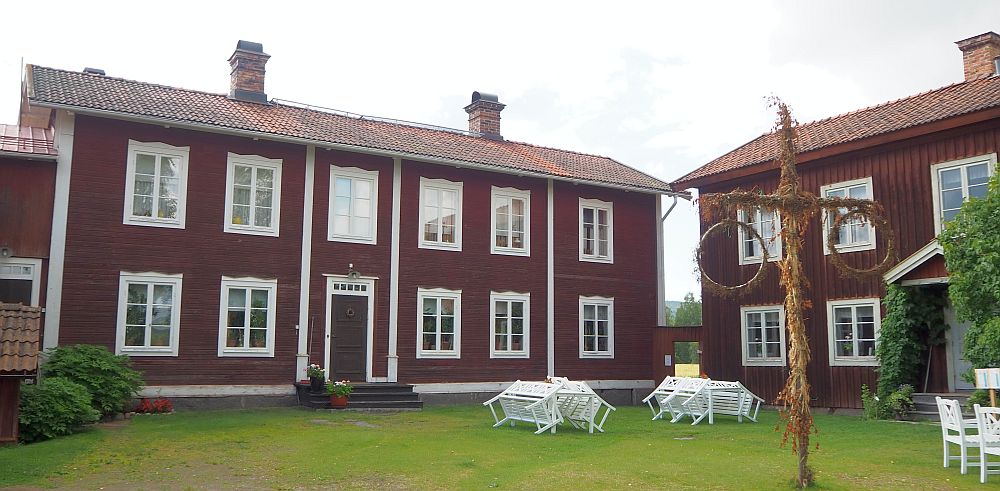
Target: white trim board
393, 358
305, 272
468, 387
914, 260
64, 129
216, 390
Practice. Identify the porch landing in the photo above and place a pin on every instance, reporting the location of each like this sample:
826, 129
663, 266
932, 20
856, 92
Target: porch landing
366, 396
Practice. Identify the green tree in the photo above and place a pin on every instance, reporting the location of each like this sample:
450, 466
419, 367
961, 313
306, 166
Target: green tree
689, 312
668, 316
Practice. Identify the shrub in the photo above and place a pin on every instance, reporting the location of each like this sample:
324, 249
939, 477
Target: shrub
110, 379
871, 403
56, 407
980, 396
154, 406
897, 404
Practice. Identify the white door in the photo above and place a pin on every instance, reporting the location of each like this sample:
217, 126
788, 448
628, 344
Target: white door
957, 365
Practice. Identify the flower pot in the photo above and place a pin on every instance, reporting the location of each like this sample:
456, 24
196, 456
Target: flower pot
317, 384
338, 402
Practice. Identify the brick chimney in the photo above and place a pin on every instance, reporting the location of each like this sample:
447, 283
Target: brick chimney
979, 54
247, 76
484, 115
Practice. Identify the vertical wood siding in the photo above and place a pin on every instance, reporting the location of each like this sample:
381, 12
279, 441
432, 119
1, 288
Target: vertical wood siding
26, 194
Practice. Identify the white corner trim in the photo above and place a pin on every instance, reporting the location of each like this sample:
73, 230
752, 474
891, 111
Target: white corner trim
597, 204
914, 260
766, 362
228, 226
181, 391
512, 193
64, 130
550, 296
397, 186
824, 217
661, 295
353, 173
305, 269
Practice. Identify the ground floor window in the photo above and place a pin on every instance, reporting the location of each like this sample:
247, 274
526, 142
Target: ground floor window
149, 307
509, 314
597, 327
763, 335
246, 323
439, 321
853, 328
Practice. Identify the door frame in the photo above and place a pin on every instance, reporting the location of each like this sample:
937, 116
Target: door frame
36, 275
955, 347
369, 282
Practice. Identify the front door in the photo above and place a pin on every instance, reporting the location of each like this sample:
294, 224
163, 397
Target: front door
348, 338
956, 348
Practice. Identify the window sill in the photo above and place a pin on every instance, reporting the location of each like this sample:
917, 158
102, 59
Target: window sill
850, 248
855, 362
597, 259
516, 355
153, 222
234, 229
148, 352
351, 240
246, 353
605, 356
438, 356
440, 246
763, 363
510, 252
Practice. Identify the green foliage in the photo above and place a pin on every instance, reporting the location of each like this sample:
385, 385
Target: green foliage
110, 379
871, 404
913, 320
897, 403
981, 397
686, 352
56, 407
689, 312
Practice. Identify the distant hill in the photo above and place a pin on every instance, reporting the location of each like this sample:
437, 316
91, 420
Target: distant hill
673, 304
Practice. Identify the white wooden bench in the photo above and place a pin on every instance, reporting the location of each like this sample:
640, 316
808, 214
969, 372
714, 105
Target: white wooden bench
698, 398
733, 399
660, 394
580, 405
530, 402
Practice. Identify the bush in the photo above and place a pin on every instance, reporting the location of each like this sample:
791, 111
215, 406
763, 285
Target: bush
56, 407
897, 404
871, 403
980, 396
110, 379
154, 406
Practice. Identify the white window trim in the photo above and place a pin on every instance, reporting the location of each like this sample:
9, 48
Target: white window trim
515, 297
182, 153
826, 218
496, 192
175, 280
610, 302
35, 278
254, 161
990, 158
851, 361
448, 186
741, 235
271, 285
762, 362
456, 295
597, 204
353, 173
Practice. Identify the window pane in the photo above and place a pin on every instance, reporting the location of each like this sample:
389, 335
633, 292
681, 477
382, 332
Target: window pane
866, 313
159, 336
501, 308
602, 312
135, 315
449, 199
262, 217
234, 338
501, 240
773, 334
163, 294
447, 324
143, 185
589, 343
145, 164
361, 226
835, 193
500, 326
242, 175
951, 178
845, 348
430, 306
264, 198
363, 188
363, 208
236, 318
948, 215
168, 166
517, 343
951, 199
588, 216
755, 350
589, 311
169, 187
258, 318
342, 187
602, 343
517, 326
241, 215
265, 178
142, 206
859, 192
517, 309
430, 341
430, 197
161, 316
978, 174
447, 306
589, 328
866, 348
137, 292
258, 299
430, 323
447, 341
237, 297
978, 191
135, 336
602, 217
517, 240
258, 338
500, 343
773, 350
341, 225
842, 315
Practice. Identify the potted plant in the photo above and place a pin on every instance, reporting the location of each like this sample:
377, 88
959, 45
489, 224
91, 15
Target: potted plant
339, 392
317, 377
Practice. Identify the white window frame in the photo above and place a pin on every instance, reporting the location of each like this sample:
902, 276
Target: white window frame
439, 293
441, 184
175, 281
271, 285
851, 246
353, 173
597, 204
253, 161
510, 193
764, 361
744, 259
158, 149
851, 361
990, 159
599, 301
525, 298
35, 277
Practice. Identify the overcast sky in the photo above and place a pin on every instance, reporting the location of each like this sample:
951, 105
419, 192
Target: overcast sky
662, 86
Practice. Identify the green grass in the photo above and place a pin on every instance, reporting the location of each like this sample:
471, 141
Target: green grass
455, 448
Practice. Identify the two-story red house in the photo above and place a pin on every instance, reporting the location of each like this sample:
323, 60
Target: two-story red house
224, 241
920, 157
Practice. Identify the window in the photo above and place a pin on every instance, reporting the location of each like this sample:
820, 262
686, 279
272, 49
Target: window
596, 231
763, 335
855, 233
439, 315
20, 280
440, 214
956, 182
510, 221
253, 195
246, 320
155, 184
597, 327
509, 312
353, 205
768, 225
149, 312
853, 326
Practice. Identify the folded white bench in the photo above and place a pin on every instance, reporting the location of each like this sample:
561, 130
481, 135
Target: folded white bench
733, 399
660, 394
580, 405
530, 402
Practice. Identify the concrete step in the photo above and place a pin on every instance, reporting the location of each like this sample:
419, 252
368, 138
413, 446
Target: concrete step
925, 404
365, 396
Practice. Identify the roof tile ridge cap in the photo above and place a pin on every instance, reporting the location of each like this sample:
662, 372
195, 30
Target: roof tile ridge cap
368, 118
129, 80
894, 101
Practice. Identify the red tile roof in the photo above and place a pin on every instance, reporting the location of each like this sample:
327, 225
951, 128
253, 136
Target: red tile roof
26, 140
20, 327
51, 87
947, 102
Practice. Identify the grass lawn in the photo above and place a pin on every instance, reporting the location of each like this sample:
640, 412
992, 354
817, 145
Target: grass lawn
455, 448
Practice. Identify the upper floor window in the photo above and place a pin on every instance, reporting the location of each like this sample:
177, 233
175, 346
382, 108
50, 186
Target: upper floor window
856, 234
956, 182
353, 213
853, 327
509, 312
596, 231
510, 221
439, 317
763, 335
597, 327
149, 311
253, 195
247, 317
156, 184
767, 223
440, 214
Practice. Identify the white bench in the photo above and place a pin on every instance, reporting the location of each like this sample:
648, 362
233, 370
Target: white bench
530, 402
580, 405
733, 399
698, 398
660, 394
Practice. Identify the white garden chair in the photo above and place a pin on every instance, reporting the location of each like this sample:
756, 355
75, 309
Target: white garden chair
955, 430
530, 402
580, 405
988, 419
660, 394
733, 399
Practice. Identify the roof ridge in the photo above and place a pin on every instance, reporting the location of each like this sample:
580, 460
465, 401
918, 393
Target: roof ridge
123, 79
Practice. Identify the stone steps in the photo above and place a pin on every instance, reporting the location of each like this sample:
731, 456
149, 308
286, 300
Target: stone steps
925, 405
366, 397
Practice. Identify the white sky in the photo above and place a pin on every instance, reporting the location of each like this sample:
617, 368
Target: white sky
662, 86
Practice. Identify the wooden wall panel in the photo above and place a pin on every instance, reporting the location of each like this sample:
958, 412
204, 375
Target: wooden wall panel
27, 189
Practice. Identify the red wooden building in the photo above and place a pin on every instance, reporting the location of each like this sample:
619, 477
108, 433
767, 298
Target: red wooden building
224, 241
920, 157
